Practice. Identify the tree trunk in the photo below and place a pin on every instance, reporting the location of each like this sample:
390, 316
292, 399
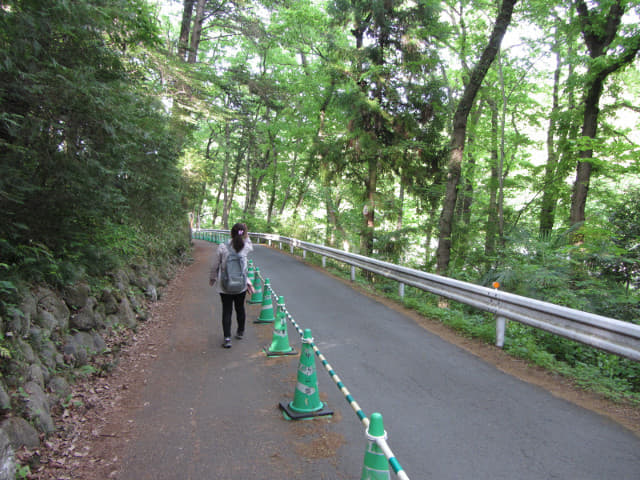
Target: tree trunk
467, 194
583, 172
232, 189
255, 186
503, 20
203, 192
274, 180
333, 221
225, 175
185, 28
466, 202
492, 214
300, 200
598, 35
216, 207
549, 189
400, 221
567, 133
366, 245
501, 171
234, 181
443, 251
332, 214
294, 167
196, 32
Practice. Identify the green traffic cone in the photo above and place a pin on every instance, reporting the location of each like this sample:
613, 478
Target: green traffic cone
376, 465
280, 340
266, 313
251, 275
250, 265
256, 297
306, 398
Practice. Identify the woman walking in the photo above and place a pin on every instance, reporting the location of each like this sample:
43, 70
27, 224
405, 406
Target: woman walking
229, 271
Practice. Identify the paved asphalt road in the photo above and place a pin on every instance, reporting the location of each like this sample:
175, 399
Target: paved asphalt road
212, 413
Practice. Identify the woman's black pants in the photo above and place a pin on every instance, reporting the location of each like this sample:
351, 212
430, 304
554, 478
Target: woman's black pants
229, 301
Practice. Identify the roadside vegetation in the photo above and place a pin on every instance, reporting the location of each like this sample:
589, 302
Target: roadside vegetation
89, 172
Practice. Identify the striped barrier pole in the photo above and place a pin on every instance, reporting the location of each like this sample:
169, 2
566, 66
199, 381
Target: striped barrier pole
381, 441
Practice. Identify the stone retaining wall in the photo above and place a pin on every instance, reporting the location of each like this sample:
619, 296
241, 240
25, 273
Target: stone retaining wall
51, 335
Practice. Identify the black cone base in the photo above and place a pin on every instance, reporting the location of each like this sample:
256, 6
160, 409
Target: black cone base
278, 354
293, 415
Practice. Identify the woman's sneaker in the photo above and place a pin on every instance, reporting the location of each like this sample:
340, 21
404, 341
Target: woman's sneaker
227, 343
239, 335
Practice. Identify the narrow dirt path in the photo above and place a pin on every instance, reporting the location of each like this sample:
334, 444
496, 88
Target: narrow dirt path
178, 406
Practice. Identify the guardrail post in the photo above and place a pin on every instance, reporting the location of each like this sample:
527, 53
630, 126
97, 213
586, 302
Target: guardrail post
280, 245
353, 273
324, 262
401, 290
269, 242
291, 248
304, 254
501, 326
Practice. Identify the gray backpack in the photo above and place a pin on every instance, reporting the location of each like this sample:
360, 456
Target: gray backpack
234, 274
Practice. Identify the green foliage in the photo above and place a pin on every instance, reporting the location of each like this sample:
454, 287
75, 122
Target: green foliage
390, 246
23, 472
553, 270
5, 352
622, 261
8, 300
617, 378
85, 371
88, 169
259, 224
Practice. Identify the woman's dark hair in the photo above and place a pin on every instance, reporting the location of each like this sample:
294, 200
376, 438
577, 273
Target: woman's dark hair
238, 232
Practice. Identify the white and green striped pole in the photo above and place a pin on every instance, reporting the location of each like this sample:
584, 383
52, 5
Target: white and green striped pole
378, 433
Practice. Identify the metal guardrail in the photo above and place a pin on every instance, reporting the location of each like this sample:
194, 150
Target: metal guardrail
608, 334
